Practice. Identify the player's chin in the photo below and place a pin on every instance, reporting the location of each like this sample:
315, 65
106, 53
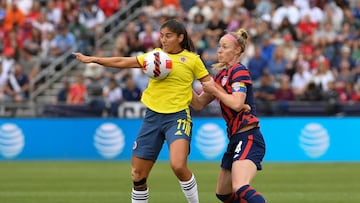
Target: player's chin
220, 59
165, 49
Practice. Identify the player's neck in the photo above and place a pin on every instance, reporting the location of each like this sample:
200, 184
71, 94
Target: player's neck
177, 51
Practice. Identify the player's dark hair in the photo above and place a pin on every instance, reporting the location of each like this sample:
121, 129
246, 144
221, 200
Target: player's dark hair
178, 28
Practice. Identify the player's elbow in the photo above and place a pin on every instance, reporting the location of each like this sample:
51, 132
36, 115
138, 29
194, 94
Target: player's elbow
197, 107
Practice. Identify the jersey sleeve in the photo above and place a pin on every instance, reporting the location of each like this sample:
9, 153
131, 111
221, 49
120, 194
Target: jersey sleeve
140, 59
200, 69
241, 74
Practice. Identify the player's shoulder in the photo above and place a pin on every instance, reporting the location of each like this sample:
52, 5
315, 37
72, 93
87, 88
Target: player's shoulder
239, 67
190, 54
186, 57
239, 70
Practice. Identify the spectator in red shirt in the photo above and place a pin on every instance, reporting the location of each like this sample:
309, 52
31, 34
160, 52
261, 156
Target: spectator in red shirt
77, 92
306, 26
349, 94
109, 7
175, 3
35, 12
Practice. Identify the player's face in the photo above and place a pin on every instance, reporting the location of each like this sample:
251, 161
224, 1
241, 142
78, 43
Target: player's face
227, 52
170, 41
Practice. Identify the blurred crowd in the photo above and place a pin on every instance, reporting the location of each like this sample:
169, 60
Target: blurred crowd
35, 32
299, 50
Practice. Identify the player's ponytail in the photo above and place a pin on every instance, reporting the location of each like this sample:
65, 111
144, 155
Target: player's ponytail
241, 36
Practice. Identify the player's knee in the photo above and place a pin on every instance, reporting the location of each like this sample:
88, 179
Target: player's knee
140, 185
178, 168
139, 180
136, 174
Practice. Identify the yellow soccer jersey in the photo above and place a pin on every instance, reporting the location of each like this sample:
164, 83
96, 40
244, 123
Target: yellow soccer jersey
174, 93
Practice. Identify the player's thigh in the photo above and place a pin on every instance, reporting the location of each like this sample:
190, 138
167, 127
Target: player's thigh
243, 172
150, 138
179, 151
178, 135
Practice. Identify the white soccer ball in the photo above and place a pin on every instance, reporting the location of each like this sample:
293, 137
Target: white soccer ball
157, 64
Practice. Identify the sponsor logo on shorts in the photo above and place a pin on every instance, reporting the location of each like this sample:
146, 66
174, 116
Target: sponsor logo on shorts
178, 132
134, 145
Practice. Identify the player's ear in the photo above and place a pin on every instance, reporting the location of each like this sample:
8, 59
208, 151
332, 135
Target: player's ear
181, 38
238, 50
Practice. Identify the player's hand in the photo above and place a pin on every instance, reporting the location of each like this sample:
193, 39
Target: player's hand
209, 86
246, 108
83, 58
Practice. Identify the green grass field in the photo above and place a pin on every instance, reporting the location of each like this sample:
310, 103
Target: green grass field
110, 182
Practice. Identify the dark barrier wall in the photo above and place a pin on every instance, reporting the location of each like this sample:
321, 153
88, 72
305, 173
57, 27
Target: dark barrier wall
288, 139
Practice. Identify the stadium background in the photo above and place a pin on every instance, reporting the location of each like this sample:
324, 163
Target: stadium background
53, 150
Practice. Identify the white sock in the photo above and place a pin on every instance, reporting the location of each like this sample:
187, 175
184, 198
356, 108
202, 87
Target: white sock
190, 189
139, 196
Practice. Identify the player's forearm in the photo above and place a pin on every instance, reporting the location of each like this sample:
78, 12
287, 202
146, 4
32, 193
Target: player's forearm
115, 62
230, 100
200, 101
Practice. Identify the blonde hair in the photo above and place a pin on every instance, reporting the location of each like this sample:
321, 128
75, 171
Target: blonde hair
241, 37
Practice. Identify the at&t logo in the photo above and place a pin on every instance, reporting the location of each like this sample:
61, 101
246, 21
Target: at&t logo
11, 140
314, 140
210, 140
109, 140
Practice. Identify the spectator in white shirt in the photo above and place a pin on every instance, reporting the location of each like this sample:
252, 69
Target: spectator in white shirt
91, 16
53, 14
287, 10
201, 7
323, 75
43, 24
300, 79
316, 14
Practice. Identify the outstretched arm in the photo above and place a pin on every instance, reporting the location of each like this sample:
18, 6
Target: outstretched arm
114, 62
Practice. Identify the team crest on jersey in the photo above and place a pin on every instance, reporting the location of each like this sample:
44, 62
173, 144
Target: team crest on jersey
183, 59
224, 80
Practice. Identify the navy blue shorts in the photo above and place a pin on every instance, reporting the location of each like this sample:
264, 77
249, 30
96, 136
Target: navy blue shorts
157, 128
246, 145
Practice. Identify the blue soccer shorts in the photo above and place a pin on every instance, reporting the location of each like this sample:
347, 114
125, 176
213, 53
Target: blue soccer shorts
157, 128
246, 145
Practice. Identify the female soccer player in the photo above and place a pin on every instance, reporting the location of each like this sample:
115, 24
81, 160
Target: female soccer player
232, 86
168, 115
